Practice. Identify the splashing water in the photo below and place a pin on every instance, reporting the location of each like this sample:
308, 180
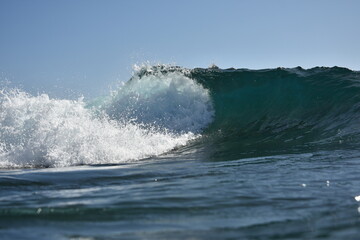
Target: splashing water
148, 116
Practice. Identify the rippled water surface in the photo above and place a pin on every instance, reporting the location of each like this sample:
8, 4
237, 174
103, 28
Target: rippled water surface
278, 197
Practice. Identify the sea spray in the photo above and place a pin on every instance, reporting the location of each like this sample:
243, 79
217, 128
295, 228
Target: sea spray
147, 117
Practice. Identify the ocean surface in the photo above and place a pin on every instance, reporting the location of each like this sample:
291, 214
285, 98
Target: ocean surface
179, 153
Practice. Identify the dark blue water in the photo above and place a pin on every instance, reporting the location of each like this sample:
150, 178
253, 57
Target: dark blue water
303, 196
278, 160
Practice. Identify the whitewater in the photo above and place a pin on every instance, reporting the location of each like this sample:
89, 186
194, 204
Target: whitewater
177, 153
147, 117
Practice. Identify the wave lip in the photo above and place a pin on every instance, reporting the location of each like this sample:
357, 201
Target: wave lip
167, 100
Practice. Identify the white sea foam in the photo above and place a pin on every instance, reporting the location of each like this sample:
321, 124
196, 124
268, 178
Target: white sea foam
167, 100
37, 131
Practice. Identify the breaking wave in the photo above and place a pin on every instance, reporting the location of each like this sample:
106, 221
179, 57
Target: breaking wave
223, 113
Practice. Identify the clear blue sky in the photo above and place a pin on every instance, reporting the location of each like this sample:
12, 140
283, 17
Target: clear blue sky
87, 45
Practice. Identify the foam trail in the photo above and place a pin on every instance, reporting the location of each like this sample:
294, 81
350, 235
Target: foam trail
37, 131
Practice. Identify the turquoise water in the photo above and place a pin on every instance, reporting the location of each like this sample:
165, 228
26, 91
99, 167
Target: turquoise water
186, 154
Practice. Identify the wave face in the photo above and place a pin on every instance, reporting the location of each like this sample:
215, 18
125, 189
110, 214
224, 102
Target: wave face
220, 114
146, 117
282, 110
